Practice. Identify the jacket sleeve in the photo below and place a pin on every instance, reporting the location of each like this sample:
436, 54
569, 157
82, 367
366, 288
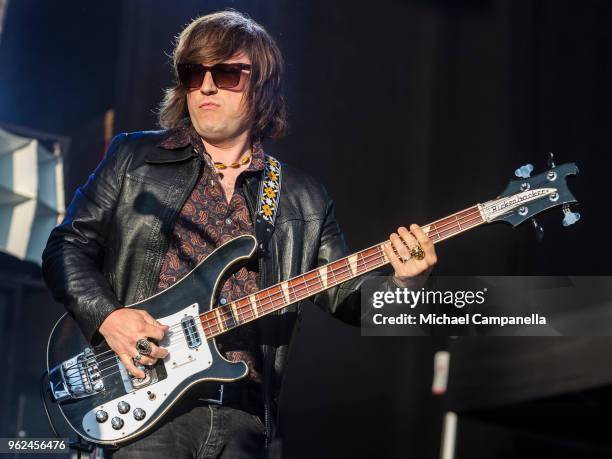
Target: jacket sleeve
344, 300
73, 257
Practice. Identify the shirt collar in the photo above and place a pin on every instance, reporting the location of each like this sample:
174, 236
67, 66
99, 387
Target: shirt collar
185, 135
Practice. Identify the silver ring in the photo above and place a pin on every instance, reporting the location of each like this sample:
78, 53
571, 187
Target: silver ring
137, 358
143, 346
406, 259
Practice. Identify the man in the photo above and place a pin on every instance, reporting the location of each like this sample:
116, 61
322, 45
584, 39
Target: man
161, 201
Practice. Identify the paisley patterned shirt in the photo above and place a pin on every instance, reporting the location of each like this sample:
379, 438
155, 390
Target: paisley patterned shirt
205, 222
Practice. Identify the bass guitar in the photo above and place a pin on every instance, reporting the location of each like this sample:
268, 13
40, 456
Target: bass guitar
104, 404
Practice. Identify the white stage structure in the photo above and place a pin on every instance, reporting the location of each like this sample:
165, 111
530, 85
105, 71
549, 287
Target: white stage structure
31, 195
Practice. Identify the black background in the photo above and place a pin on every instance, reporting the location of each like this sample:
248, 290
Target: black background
406, 110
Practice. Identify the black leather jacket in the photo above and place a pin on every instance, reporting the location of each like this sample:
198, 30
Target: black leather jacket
109, 249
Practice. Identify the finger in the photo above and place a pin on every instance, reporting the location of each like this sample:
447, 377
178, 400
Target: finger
147, 360
153, 331
400, 246
129, 365
414, 266
426, 244
158, 352
407, 237
395, 261
148, 318
402, 267
413, 243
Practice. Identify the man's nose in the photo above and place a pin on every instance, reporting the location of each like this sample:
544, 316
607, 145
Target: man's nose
208, 85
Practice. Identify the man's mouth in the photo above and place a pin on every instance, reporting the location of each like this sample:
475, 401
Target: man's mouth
206, 105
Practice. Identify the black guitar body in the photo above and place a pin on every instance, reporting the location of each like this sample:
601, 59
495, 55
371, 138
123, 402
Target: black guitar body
101, 401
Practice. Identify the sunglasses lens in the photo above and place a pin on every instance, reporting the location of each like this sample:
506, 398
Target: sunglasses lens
226, 75
190, 75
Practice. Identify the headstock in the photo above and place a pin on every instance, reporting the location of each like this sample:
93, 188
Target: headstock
526, 196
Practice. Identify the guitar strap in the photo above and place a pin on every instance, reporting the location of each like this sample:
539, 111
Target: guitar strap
268, 202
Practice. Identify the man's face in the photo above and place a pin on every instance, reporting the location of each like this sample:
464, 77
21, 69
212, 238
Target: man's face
220, 114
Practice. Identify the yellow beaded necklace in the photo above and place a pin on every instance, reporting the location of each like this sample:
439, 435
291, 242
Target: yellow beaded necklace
235, 165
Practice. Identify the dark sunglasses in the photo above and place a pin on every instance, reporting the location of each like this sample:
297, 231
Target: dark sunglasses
225, 76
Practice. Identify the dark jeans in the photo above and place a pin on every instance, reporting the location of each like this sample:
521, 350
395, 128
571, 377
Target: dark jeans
200, 430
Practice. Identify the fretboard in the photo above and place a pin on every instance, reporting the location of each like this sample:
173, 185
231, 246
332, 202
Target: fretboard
227, 317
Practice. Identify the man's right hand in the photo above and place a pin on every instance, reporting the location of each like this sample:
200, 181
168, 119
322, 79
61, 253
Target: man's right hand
123, 327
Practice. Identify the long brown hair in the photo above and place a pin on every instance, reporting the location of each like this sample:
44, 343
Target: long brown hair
216, 37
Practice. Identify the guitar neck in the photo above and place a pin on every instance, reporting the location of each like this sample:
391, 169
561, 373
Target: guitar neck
224, 318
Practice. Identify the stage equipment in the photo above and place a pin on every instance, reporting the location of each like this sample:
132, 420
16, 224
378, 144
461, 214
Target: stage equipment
31, 195
3, 7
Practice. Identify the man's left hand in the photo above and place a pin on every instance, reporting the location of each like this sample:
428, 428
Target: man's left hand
408, 267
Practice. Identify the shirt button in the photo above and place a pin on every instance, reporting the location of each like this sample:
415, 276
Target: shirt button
222, 300
212, 182
228, 221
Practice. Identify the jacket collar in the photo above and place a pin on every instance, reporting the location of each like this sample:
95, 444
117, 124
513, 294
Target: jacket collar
176, 140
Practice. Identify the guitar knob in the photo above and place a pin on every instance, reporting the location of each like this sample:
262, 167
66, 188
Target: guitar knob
524, 171
123, 407
101, 416
139, 414
117, 423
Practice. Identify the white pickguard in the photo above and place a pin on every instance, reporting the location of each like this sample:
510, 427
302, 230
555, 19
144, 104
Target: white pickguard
180, 363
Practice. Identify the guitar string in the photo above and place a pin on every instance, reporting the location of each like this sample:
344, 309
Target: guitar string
211, 323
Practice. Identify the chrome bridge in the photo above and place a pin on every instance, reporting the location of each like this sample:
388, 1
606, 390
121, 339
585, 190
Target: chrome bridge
77, 377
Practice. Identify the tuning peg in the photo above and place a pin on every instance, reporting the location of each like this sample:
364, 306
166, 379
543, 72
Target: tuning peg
538, 228
524, 171
569, 217
551, 162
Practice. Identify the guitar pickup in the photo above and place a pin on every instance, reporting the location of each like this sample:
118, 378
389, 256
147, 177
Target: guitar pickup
190, 330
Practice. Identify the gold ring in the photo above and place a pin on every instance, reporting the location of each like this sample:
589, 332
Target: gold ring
417, 252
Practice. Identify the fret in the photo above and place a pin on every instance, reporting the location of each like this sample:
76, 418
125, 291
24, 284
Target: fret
219, 320
278, 299
297, 286
229, 321
340, 271
247, 310
273, 299
210, 324
456, 223
312, 282
263, 300
384, 254
371, 258
432, 232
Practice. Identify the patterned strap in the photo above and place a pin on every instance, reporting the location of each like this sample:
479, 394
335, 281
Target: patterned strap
269, 190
